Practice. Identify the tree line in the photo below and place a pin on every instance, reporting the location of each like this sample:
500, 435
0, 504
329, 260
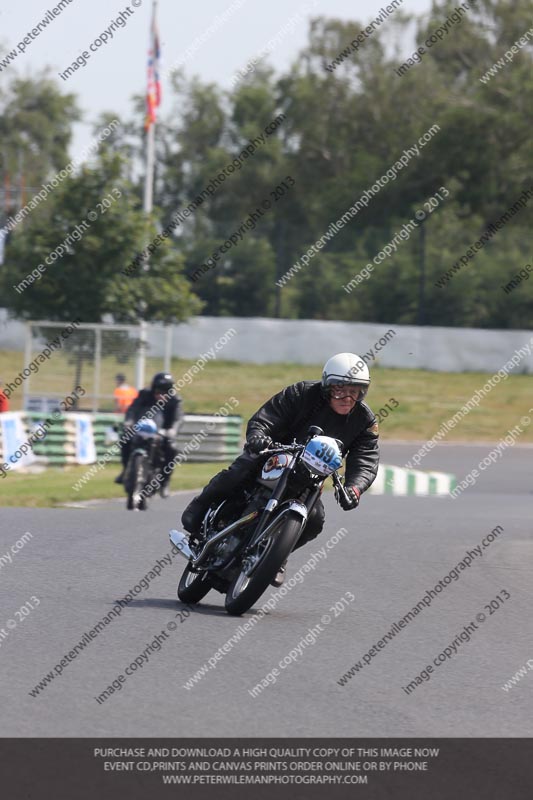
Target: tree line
247, 199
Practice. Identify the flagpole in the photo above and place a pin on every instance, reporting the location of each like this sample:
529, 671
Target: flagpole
148, 199
150, 135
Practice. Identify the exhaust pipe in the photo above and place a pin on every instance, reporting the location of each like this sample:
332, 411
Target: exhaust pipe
181, 542
222, 535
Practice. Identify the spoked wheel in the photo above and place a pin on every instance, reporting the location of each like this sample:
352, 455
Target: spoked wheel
136, 482
193, 586
261, 566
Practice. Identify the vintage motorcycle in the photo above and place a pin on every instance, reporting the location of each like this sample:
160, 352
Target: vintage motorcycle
245, 539
144, 462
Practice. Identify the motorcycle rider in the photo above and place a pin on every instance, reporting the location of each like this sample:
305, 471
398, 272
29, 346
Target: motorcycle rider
334, 404
168, 418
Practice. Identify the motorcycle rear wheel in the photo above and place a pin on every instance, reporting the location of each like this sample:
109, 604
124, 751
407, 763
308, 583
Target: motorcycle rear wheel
193, 586
255, 577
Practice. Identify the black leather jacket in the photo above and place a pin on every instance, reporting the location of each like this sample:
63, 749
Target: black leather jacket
288, 415
168, 417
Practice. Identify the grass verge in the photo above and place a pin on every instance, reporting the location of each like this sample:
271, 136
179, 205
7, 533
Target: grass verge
53, 487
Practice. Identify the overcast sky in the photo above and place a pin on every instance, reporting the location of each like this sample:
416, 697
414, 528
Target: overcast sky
117, 70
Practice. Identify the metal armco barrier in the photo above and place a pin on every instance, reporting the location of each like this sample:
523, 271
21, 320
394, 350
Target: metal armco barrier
202, 437
219, 443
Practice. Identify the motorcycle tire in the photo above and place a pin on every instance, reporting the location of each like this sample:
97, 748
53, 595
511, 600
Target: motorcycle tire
193, 586
246, 589
136, 483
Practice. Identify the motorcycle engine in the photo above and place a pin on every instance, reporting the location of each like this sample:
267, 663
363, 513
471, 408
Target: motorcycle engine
228, 513
224, 549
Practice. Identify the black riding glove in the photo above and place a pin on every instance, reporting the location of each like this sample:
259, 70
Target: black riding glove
256, 443
352, 501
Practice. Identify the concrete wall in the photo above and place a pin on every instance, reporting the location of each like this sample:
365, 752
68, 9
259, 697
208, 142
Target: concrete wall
263, 341
312, 342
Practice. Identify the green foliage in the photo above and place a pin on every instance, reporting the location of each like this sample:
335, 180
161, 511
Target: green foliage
343, 129
86, 281
35, 128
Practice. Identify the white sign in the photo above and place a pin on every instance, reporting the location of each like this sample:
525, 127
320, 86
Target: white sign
85, 449
13, 437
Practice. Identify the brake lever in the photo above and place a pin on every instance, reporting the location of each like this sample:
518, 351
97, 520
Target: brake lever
339, 489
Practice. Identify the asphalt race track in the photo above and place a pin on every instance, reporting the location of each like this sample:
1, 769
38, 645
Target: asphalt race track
81, 561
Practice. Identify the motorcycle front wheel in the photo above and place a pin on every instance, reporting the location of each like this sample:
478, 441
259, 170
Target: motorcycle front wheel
193, 586
260, 568
137, 473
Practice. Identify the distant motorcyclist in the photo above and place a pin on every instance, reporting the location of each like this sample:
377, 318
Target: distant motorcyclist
168, 418
334, 404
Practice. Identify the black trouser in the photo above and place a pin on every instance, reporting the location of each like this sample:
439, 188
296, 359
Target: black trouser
240, 472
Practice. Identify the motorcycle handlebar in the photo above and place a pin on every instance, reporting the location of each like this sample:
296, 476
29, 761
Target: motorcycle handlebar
154, 435
281, 448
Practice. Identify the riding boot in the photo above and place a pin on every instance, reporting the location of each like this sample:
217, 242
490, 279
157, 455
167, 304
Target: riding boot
219, 487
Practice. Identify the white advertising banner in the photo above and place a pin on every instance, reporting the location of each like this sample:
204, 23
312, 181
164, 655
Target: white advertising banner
85, 448
14, 436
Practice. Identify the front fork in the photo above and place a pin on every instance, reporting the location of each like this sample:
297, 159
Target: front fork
270, 507
304, 508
